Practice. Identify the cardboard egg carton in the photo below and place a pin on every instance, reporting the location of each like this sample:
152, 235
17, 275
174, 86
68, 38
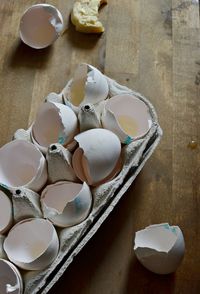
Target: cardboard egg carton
105, 197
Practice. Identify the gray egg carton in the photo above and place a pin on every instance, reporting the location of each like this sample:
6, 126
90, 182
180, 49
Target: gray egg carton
105, 196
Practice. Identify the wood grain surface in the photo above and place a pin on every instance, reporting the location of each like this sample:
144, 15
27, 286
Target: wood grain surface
152, 46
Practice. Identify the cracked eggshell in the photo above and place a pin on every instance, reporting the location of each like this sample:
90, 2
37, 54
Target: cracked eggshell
98, 157
54, 123
87, 86
22, 164
66, 204
6, 217
160, 248
32, 244
10, 278
127, 116
40, 25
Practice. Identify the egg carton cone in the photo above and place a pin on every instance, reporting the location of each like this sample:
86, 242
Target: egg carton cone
105, 196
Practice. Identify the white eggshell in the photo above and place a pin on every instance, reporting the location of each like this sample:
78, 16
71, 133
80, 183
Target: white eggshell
127, 116
66, 203
40, 25
32, 244
22, 164
5, 212
88, 86
160, 248
97, 157
54, 123
10, 278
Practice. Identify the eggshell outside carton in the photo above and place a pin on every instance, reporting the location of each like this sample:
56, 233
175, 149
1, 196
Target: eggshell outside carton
134, 156
40, 25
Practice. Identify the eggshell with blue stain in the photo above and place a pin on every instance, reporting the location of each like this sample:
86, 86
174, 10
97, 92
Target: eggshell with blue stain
54, 123
32, 244
65, 203
127, 116
41, 25
160, 248
98, 157
88, 85
22, 164
10, 278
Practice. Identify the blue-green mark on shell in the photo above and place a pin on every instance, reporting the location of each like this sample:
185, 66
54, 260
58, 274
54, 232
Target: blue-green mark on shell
128, 140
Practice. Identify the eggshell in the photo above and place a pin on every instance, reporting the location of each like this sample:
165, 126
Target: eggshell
5, 212
32, 244
59, 162
22, 164
97, 157
127, 116
54, 123
40, 25
88, 118
10, 278
87, 86
160, 248
66, 203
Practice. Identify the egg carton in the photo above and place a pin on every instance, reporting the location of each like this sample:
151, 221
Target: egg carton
105, 196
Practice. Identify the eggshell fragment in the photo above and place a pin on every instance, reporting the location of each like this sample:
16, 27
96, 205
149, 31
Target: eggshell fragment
32, 244
5, 212
160, 248
87, 86
40, 25
59, 162
10, 278
98, 157
22, 164
54, 123
127, 116
66, 203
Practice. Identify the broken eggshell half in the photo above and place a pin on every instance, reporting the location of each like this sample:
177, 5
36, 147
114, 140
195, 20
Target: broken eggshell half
40, 25
54, 123
6, 215
127, 116
10, 278
32, 244
160, 248
88, 85
66, 204
98, 157
22, 164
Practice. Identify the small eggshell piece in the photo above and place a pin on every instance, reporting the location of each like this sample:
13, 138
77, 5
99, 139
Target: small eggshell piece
10, 278
32, 244
66, 203
160, 248
40, 25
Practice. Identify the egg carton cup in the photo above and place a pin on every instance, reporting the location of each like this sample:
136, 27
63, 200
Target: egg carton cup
105, 196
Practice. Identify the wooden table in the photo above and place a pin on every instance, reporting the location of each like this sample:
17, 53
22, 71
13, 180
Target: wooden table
152, 46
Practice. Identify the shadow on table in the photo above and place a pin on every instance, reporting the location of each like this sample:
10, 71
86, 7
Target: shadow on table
25, 56
141, 281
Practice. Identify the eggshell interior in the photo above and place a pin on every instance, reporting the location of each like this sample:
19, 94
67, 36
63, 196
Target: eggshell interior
20, 161
55, 123
100, 153
28, 240
5, 212
10, 278
39, 26
66, 203
130, 115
